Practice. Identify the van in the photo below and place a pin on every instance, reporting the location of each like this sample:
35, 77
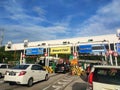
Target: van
104, 78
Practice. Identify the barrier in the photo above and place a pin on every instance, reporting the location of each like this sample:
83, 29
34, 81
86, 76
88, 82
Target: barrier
76, 70
49, 69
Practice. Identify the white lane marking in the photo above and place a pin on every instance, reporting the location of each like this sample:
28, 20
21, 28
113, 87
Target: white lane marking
46, 87
56, 87
62, 82
66, 80
1, 81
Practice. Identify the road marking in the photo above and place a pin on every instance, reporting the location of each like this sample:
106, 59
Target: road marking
62, 82
46, 87
66, 80
56, 87
59, 84
1, 81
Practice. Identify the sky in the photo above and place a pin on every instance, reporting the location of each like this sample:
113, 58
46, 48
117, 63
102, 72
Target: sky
39, 20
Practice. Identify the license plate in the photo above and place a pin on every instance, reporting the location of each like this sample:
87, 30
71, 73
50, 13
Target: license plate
12, 73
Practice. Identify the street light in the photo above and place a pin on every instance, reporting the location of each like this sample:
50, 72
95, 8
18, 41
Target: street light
9, 44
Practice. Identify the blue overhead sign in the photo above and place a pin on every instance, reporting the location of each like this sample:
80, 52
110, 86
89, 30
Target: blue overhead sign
98, 48
118, 47
85, 48
92, 48
34, 51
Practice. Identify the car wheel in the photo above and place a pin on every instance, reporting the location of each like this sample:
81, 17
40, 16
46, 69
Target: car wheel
55, 71
30, 82
46, 77
64, 72
0, 75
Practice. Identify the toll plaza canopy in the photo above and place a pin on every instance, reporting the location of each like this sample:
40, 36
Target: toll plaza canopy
62, 45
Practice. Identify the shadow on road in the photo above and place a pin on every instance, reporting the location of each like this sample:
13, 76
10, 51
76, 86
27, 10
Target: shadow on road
79, 86
84, 77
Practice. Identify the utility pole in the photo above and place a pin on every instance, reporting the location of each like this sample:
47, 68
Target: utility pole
1, 36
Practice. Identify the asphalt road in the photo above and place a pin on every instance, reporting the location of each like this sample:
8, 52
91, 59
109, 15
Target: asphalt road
55, 82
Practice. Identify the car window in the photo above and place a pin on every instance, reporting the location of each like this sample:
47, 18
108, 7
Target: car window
109, 76
10, 66
3, 66
23, 67
37, 67
60, 65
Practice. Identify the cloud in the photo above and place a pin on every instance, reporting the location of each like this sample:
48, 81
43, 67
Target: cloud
29, 26
32, 33
35, 25
16, 12
39, 10
104, 22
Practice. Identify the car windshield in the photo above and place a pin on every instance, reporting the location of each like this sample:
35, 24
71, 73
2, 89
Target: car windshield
23, 67
110, 76
59, 65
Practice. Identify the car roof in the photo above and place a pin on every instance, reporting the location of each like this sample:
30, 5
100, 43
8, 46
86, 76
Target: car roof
3, 64
105, 66
29, 64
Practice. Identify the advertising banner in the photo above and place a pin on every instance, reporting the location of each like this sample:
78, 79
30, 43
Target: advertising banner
34, 51
85, 48
60, 50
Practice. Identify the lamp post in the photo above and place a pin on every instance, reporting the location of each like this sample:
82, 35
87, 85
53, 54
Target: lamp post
48, 55
9, 44
45, 58
75, 50
115, 54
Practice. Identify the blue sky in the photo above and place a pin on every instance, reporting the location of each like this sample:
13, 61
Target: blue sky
38, 20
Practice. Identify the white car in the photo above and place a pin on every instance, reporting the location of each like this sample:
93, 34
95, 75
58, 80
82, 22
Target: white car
26, 74
104, 78
3, 68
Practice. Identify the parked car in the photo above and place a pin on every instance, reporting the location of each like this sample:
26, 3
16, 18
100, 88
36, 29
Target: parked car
26, 74
104, 78
61, 68
3, 68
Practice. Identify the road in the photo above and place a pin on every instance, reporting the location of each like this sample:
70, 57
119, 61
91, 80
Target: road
55, 82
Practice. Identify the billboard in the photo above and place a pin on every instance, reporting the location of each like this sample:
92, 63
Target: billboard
60, 50
34, 51
85, 48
